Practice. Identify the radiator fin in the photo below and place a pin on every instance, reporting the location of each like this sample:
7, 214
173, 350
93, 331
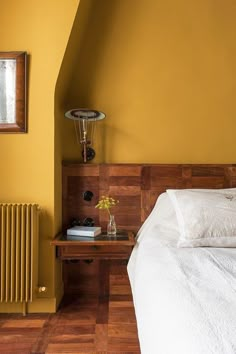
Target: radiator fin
19, 251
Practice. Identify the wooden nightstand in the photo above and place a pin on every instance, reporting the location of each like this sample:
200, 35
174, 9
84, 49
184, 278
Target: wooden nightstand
102, 247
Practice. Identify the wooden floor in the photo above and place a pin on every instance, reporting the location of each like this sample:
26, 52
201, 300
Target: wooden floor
81, 325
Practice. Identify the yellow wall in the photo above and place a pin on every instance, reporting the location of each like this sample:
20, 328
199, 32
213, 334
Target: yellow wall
164, 73
162, 70
41, 28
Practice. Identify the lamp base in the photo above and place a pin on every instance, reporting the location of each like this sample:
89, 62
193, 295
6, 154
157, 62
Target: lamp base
90, 154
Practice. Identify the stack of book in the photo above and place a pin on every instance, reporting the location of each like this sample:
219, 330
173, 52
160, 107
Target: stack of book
78, 232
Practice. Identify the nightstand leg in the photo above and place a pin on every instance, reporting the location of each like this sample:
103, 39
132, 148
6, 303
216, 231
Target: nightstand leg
103, 302
104, 273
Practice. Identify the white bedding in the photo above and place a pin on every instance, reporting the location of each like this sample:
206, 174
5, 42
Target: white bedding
185, 298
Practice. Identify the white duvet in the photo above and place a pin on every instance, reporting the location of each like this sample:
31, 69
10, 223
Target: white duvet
185, 298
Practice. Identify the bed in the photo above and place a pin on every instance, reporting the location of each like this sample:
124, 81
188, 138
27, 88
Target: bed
183, 274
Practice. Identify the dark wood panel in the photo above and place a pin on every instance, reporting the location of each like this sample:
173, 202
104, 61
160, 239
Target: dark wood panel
166, 171
211, 182
137, 186
124, 181
212, 170
81, 277
124, 169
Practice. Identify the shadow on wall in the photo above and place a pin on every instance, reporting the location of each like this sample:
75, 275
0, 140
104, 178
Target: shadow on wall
82, 60
84, 52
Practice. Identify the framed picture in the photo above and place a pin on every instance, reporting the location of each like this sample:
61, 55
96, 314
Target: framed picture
13, 92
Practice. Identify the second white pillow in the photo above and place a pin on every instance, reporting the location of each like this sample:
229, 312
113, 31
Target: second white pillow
205, 218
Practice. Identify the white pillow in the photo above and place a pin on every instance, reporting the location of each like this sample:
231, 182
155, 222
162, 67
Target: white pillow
205, 217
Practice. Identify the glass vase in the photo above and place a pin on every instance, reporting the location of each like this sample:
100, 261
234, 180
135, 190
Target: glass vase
111, 226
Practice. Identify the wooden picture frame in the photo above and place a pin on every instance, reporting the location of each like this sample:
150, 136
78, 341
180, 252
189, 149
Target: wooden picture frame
13, 92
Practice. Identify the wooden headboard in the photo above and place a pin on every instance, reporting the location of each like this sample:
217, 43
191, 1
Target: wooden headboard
137, 187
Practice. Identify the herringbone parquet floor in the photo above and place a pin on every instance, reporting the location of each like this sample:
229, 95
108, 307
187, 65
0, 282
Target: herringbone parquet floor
81, 325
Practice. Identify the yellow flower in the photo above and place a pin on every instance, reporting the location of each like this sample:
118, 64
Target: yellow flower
106, 203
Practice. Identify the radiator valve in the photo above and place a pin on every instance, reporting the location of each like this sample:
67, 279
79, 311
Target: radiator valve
42, 289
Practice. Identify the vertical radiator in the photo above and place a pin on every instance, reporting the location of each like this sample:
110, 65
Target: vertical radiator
18, 252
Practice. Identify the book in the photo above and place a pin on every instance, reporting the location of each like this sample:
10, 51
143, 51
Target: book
89, 231
80, 238
101, 237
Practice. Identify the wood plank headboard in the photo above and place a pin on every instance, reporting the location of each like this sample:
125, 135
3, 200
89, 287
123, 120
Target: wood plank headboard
137, 187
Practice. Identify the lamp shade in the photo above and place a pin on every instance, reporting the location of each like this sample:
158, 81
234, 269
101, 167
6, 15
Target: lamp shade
81, 114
